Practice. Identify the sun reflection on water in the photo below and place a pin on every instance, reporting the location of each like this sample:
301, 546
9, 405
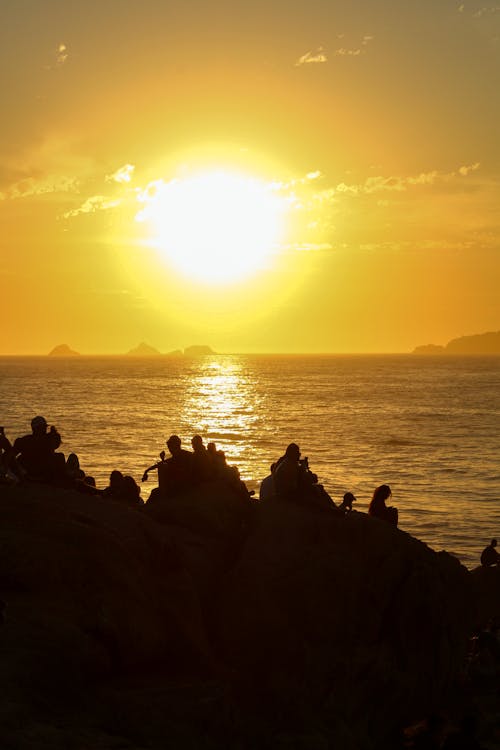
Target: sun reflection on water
222, 399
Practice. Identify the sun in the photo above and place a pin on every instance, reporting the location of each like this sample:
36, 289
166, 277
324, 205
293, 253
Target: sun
214, 226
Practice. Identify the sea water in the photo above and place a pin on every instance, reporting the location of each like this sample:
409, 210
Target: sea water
427, 426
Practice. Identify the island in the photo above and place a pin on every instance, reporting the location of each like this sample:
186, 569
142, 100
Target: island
199, 350
144, 350
481, 343
63, 350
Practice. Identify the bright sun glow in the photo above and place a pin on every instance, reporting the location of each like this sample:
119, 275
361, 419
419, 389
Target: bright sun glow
214, 226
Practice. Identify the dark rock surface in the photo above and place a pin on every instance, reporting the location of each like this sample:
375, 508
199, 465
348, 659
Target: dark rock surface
212, 617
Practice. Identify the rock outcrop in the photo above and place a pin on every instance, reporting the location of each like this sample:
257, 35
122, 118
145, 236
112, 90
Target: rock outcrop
314, 619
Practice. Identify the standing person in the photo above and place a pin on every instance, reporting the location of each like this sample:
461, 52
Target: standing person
36, 453
378, 508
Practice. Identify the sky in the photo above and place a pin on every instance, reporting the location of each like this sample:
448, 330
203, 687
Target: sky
261, 176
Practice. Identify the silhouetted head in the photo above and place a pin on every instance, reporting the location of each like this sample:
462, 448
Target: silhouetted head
39, 425
174, 444
197, 443
293, 452
72, 462
212, 448
273, 466
493, 542
382, 493
115, 479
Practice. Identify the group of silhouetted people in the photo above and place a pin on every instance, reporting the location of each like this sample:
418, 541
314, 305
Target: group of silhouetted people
35, 457
291, 479
185, 469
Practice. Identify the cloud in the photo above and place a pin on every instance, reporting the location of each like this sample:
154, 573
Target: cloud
464, 171
355, 51
312, 57
93, 204
62, 54
344, 52
29, 187
400, 184
123, 174
486, 9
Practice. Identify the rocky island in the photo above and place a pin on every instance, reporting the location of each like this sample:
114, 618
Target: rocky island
63, 350
483, 343
212, 622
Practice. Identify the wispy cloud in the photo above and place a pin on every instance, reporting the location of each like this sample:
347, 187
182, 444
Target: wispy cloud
355, 50
318, 56
122, 175
400, 184
31, 187
93, 204
62, 54
486, 10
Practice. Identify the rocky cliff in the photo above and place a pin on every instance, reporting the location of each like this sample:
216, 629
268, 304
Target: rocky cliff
299, 620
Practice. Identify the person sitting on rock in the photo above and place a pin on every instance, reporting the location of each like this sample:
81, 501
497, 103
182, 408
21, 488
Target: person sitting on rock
203, 468
76, 477
5, 456
489, 555
266, 491
176, 473
293, 480
346, 504
115, 487
130, 493
36, 453
378, 508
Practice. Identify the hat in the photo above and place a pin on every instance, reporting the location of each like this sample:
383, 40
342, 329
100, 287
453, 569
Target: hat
39, 422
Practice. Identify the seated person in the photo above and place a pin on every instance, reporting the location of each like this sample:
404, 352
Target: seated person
293, 480
114, 489
489, 555
130, 493
202, 464
36, 453
346, 504
176, 473
378, 508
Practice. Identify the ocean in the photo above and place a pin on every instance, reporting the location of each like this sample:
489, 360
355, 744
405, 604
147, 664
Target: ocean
427, 426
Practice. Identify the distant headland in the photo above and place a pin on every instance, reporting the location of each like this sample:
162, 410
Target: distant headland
141, 350
481, 343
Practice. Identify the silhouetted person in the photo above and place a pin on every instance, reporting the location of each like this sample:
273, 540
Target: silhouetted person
5, 454
346, 504
36, 453
489, 555
266, 491
115, 486
203, 467
154, 466
293, 480
378, 508
130, 493
286, 474
176, 473
73, 470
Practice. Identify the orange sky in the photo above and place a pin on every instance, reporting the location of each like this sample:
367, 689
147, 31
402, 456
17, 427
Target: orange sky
374, 123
